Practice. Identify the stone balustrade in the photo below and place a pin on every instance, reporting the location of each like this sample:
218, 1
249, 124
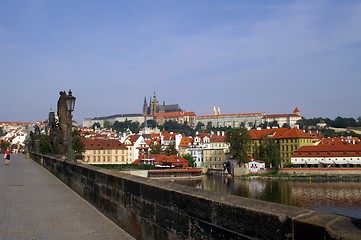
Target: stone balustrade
152, 209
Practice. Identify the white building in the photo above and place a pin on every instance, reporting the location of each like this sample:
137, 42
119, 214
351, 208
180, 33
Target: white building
337, 155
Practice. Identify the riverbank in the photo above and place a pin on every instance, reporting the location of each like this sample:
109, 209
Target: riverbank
293, 177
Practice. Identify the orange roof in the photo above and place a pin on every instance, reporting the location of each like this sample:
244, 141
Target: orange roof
218, 138
103, 144
278, 133
339, 140
281, 115
185, 142
165, 159
174, 114
272, 132
329, 150
294, 133
132, 139
173, 159
232, 115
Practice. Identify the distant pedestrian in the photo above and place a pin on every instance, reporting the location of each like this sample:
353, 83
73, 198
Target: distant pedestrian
7, 156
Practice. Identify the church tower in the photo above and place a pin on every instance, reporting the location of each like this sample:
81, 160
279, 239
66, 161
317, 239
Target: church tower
145, 107
153, 107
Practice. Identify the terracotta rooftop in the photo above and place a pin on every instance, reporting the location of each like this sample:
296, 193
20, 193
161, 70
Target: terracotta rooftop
103, 144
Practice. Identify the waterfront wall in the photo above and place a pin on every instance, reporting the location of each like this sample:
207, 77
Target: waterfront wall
151, 209
321, 171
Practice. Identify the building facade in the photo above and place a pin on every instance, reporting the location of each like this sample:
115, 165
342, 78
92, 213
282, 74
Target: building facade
328, 155
231, 120
104, 151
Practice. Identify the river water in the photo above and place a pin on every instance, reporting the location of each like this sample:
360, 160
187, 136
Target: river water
342, 198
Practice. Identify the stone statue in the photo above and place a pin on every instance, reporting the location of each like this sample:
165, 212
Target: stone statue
59, 130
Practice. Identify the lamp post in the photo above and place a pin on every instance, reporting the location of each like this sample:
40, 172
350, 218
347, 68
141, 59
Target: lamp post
70, 103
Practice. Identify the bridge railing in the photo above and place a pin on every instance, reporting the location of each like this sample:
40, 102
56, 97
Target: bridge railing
151, 209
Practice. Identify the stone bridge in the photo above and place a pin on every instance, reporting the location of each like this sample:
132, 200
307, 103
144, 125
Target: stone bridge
151, 209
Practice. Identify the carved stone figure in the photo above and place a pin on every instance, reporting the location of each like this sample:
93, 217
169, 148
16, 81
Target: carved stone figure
59, 129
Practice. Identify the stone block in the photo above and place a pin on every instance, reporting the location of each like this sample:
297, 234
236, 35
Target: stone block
131, 187
172, 221
204, 230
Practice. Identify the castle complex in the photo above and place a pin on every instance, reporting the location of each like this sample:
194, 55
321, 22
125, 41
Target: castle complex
154, 107
172, 112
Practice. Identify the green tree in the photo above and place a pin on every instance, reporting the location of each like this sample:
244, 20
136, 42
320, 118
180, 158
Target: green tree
199, 126
107, 125
78, 144
44, 144
96, 125
150, 123
190, 159
269, 151
239, 141
170, 150
156, 149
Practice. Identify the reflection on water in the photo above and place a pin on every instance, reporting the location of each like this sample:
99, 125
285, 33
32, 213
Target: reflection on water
332, 197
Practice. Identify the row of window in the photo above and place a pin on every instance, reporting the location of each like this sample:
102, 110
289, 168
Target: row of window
107, 151
104, 159
317, 159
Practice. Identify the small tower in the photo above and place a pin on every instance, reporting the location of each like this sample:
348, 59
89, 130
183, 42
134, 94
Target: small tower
297, 111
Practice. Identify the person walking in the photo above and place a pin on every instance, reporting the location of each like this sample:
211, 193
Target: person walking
7, 156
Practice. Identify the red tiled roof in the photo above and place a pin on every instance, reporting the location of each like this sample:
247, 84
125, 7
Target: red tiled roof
132, 139
281, 115
232, 115
294, 133
338, 140
278, 133
172, 159
103, 144
174, 114
217, 138
329, 150
185, 142
163, 159
274, 132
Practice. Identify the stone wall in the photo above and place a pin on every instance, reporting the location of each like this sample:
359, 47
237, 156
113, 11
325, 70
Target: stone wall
321, 171
151, 209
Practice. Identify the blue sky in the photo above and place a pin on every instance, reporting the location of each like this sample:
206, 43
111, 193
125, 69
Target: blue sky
243, 56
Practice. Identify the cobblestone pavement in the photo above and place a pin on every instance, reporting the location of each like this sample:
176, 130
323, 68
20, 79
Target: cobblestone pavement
36, 205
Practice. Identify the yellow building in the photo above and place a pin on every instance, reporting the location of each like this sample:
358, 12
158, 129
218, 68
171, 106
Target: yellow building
289, 140
105, 151
214, 154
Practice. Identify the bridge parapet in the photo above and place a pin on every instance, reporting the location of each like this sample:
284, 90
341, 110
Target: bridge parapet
152, 209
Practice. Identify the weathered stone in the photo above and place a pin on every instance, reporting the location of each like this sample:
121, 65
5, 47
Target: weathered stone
151, 209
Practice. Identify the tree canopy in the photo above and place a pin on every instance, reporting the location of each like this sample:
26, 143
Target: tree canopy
239, 141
